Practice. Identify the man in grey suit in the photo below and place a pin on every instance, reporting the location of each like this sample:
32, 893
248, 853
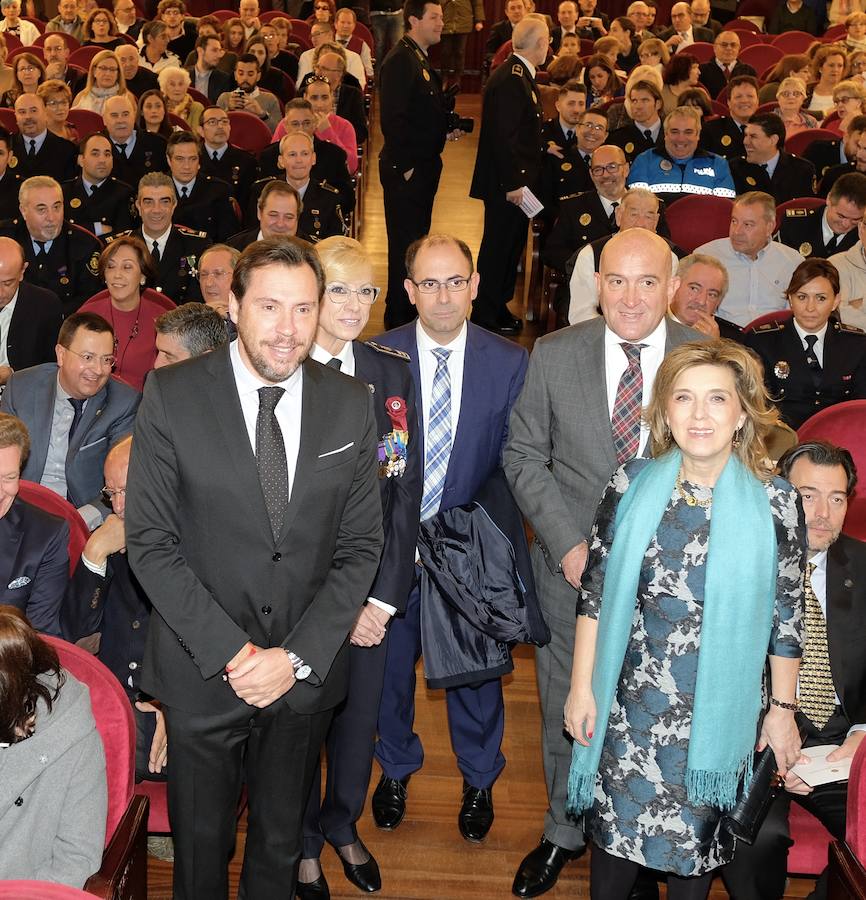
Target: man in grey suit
567, 435
75, 412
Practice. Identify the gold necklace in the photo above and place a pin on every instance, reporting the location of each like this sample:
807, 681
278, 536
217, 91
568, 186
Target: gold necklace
690, 499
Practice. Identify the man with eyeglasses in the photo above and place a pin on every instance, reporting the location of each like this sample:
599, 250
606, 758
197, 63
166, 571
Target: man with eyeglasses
324, 33
127, 20
56, 52
279, 210
68, 20
466, 382
38, 150
724, 134
716, 73
767, 167
75, 412
219, 159
97, 200
215, 268
833, 159
348, 97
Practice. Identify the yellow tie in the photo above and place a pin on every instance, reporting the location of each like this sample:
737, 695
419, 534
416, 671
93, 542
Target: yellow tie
817, 694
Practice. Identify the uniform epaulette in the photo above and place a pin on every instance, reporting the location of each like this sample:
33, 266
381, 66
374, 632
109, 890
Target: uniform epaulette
191, 231
768, 327
570, 196
328, 187
389, 350
517, 69
110, 237
797, 212
848, 329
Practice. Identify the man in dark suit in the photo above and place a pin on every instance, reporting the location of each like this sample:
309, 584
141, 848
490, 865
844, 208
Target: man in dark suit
414, 127
205, 77
501, 31
343, 316
75, 412
278, 213
832, 228
701, 15
683, 31
724, 135
826, 155
136, 153
38, 150
767, 167
508, 163
717, 73
34, 554
832, 705
467, 380
565, 165
557, 463
643, 132
566, 15
703, 285
249, 660
137, 78
236, 167
10, 179
30, 316
56, 52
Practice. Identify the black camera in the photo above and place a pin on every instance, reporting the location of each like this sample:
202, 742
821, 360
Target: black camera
455, 122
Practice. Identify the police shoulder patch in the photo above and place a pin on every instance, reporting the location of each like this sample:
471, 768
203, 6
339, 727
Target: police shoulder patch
390, 351
769, 327
93, 263
847, 329
191, 231
517, 69
328, 187
796, 213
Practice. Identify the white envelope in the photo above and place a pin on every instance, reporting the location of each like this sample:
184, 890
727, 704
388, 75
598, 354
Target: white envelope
818, 770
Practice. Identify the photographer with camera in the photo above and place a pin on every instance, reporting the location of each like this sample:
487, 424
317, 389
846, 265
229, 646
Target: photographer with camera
416, 118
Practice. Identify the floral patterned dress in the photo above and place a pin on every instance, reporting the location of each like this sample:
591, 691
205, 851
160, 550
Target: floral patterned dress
641, 811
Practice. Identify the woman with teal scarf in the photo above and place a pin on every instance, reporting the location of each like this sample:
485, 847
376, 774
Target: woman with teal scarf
694, 579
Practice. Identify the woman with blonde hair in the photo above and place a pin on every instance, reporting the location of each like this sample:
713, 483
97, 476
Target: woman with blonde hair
848, 98
828, 68
670, 648
57, 98
104, 79
654, 52
855, 31
174, 83
791, 96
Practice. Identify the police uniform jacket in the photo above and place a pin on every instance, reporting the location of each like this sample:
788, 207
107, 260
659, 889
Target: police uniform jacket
32, 333
112, 204
10, 184
724, 137
500, 32
148, 155
350, 105
561, 177
412, 107
824, 155
631, 139
236, 167
798, 391
832, 175
208, 208
704, 173
56, 157
69, 269
792, 177
510, 147
803, 230
581, 220
713, 78
322, 216
177, 272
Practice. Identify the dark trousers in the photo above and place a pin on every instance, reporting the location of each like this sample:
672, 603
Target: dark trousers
476, 714
274, 750
502, 244
349, 748
614, 878
408, 211
759, 871
452, 56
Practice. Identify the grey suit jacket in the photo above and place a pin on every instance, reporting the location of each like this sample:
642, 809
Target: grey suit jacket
107, 417
560, 452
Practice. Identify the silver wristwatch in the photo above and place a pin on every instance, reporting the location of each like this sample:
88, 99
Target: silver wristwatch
302, 670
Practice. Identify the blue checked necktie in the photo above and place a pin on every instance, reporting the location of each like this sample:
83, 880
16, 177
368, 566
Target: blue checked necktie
438, 436
625, 421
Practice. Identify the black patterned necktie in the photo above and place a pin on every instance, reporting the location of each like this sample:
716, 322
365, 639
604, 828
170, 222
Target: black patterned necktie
155, 253
648, 134
812, 356
32, 151
184, 193
121, 149
271, 457
334, 363
833, 244
612, 217
78, 412
216, 156
817, 693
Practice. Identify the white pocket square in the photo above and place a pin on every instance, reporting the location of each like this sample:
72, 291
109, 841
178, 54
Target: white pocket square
19, 582
338, 450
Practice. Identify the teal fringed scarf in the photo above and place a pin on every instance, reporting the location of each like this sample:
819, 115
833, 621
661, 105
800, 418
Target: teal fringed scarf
735, 633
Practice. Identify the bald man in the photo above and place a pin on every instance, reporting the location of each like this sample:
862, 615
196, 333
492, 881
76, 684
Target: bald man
557, 466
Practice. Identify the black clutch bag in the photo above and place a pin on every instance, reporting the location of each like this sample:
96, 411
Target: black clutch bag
744, 820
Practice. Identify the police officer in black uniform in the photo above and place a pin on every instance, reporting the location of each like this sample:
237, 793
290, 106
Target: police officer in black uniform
10, 179
61, 257
570, 138
811, 361
135, 152
38, 150
236, 167
414, 119
724, 135
831, 228
509, 160
96, 200
203, 202
644, 131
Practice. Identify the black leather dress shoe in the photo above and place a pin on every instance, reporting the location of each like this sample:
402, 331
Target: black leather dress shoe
389, 802
365, 876
313, 890
476, 813
540, 869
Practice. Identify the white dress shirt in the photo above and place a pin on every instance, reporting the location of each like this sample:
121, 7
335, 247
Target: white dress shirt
427, 364
819, 344
5, 321
161, 241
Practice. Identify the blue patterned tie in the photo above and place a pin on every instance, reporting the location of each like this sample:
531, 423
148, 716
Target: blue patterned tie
438, 436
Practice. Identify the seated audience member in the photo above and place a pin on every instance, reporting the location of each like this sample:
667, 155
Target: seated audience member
322, 214
683, 31
127, 20
53, 763
187, 331
248, 12
136, 152
67, 20
35, 554
791, 96
697, 98
204, 202
13, 24
567, 65
724, 135
271, 79
215, 267
56, 52
643, 103
233, 38
10, 179
279, 58
832, 702
61, 257
348, 99
174, 82
278, 209
566, 15
205, 75
75, 412
180, 32
848, 98
330, 127
680, 167
601, 80
219, 159
837, 157
812, 361
30, 316
570, 138
500, 32
792, 15
322, 36
701, 15
96, 200
829, 229
38, 150
154, 54
759, 269
6, 73
851, 266
828, 69
126, 268
717, 73
855, 31
57, 98
653, 52
640, 13
703, 285
138, 79
639, 209
100, 30
28, 72
174, 249
623, 29
798, 64
344, 27
248, 97
681, 73
152, 114
767, 167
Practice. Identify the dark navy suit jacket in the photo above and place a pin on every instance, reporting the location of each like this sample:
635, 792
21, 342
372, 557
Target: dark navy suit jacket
34, 564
